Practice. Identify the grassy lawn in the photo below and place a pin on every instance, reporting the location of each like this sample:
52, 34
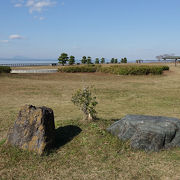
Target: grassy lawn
93, 153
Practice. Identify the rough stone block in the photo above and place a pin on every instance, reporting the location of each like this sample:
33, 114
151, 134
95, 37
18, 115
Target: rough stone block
150, 133
33, 130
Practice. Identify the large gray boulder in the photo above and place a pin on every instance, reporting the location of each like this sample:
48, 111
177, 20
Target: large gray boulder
33, 130
149, 133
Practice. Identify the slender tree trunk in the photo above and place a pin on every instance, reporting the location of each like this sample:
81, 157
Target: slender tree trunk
88, 117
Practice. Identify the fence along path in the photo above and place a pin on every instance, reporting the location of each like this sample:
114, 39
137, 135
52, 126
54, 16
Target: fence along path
29, 64
31, 70
14, 71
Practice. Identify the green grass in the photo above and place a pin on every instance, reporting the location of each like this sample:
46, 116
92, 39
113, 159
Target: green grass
93, 153
2, 142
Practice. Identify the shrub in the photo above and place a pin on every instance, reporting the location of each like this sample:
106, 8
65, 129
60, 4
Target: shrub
118, 69
86, 102
134, 69
165, 68
75, 69
5, 69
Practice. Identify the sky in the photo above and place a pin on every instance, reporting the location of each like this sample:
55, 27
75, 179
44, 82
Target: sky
136, 29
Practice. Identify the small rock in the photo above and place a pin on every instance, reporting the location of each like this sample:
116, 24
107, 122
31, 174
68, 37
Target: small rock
34, 129
150, 133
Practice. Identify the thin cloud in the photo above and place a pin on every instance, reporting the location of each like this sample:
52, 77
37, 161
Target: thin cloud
18, 5
15, 36
39, 6
35, 5
12, 38
4, 41
41, 18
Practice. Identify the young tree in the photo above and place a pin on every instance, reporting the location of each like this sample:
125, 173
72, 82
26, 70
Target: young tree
97, 61
71, 60
115, 61
102, 60
84, 60
86, 103
112, 60
63, 58
89, 60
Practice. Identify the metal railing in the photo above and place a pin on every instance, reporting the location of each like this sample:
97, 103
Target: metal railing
29, 64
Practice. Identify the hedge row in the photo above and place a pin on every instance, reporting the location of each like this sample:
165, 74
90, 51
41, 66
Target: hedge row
134, 70
117, 69
75, 69
5, 69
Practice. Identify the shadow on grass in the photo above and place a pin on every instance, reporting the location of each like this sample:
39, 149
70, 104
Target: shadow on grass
65, 134
114, 120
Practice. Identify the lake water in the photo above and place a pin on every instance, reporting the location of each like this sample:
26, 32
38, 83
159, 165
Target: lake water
46, 61
24, 61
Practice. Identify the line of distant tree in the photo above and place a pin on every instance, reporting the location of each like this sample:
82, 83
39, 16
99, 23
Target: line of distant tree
64, 58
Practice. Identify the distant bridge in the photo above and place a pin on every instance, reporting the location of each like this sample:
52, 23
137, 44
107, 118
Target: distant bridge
164, 59
150, 61
175, 58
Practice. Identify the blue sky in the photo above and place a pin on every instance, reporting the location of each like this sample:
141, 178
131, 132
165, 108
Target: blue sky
97, 28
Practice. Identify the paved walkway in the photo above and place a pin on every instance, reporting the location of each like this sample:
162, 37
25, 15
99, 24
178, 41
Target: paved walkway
34, 71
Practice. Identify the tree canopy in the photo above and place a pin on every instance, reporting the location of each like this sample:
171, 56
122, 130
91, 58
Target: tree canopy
89, 60
124, 60
84, 60
71, 60
97, 61
63, 58
102, 60
112, 60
